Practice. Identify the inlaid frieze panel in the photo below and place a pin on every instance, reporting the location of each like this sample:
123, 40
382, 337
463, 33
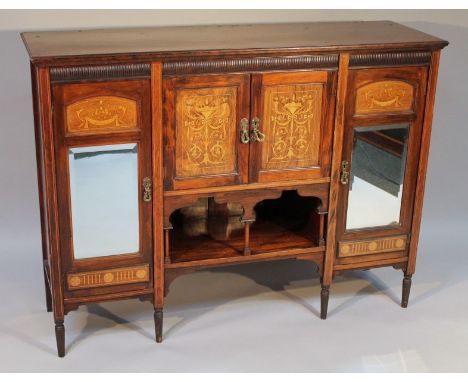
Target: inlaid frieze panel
108, 277
292, 118
384, 96
367, 247
205, 131
101, 114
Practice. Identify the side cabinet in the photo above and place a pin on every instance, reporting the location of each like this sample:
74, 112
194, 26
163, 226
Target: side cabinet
162, 151
380, 158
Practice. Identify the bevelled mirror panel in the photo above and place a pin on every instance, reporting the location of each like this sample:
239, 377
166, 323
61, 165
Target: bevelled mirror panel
104, 200
377, 174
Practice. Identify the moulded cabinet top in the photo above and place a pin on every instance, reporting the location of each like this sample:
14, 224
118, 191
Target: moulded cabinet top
197, 40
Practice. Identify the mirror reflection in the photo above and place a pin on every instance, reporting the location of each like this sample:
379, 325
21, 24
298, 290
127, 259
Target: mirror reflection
376, 178
104, 200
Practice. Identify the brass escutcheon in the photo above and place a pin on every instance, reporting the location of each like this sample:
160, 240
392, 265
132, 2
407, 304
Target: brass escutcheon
147, 189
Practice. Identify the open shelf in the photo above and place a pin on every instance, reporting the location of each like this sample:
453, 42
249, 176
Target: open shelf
209, 231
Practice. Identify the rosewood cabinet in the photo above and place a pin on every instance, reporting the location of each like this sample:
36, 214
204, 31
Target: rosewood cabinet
165, 150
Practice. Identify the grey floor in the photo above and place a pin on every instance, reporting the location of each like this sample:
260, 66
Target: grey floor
260, 317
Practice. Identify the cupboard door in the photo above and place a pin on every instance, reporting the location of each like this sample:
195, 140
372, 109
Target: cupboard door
103, 145
383, 123
291, 125
204, 119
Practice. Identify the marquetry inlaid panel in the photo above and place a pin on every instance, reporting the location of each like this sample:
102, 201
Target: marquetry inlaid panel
291, 118
108, 277
372, 246
101, 114
384, 96
205, 131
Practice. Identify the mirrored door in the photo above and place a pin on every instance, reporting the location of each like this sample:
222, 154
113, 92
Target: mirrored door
103, 141
379, 162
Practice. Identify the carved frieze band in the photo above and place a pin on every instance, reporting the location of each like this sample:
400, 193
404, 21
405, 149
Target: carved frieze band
372, 246
108, 277
392, 58
251, 64
99, 72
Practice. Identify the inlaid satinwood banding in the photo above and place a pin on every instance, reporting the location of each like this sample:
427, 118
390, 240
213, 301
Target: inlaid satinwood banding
108, 277
365, 247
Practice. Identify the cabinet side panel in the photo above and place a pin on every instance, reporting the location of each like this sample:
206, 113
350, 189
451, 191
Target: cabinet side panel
335, 169
423, 161
40, 167
157, 148
45, 115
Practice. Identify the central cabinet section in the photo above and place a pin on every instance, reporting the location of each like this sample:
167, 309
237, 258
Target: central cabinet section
246, 165
247, 128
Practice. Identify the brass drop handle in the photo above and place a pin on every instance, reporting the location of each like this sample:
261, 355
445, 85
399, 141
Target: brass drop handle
344, 179
147, 186
257, 135
244, 131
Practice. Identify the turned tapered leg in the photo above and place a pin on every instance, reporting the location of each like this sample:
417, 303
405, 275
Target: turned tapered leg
158, 323
324, 295
60, 337
406, 291
47, 293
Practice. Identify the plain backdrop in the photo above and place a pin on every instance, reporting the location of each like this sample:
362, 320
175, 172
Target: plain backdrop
260, 317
